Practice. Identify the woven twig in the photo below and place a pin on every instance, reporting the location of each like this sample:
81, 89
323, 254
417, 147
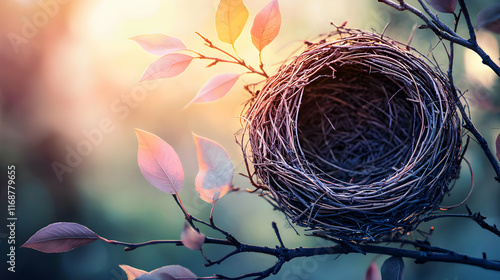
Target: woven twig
356, 138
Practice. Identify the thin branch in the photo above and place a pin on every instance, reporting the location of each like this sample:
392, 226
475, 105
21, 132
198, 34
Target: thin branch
133, 246
212, 225
277, 232
259, 275
479, 219
437, 22
425, 253
476, 217
227, 256
471, 44
452, 37
234, 59
465, 11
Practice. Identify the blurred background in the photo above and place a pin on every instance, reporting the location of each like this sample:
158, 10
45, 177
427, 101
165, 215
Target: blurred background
66, 66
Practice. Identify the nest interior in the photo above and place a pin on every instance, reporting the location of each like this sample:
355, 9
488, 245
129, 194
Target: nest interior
356, 138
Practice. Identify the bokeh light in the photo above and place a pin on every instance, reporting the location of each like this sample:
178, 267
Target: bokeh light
68, 66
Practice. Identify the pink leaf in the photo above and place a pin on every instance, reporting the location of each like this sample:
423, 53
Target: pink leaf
497, 143
443, 6
215, 176
266, 25
167, 66
489, 18
373, 272
132, 273
191, 238
216, 88
60, 237
169, 272
159, 44
159, 163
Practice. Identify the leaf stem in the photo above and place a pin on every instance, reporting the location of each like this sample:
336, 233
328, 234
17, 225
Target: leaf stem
212, 214
261, 65
188, 217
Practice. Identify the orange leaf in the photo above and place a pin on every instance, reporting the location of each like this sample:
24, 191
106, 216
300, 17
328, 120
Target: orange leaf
373, 272
230, 19
498, 147
159, 44
132, 273
159, 163
167, 66
216, 170
266, 25
216, 88
191, 238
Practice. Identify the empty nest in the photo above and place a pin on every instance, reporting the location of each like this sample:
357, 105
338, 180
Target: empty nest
356, 138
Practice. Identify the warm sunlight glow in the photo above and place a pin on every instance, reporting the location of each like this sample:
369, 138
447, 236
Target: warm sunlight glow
105, 18
476, 71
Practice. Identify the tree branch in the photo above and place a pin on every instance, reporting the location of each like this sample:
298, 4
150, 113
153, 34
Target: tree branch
443, 31
424, 253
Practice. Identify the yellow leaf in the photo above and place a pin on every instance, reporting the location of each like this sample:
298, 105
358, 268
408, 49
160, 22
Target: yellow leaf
230, 19
266, 25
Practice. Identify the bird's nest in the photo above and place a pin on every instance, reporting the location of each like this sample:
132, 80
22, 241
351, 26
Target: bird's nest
356, 138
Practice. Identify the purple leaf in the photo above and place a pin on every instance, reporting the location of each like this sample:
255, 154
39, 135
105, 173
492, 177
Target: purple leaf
498, 147
169, 272
393, 269
60, 237
443, 6
489, 18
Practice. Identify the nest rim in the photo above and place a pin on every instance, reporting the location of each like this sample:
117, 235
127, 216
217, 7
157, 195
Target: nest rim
381, 206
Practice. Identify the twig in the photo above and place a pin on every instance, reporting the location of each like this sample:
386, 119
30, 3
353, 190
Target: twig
212, 225
403, 6
235, 59
477, 217
277, 232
